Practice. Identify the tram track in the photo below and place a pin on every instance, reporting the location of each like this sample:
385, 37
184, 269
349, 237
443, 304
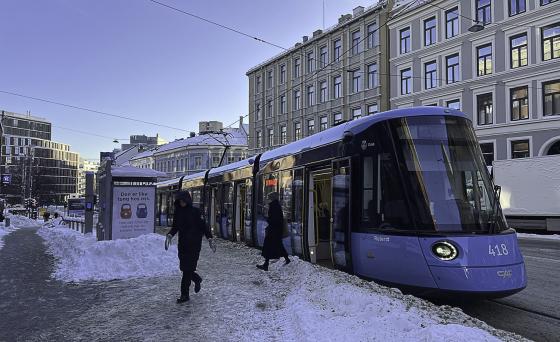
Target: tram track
534, 312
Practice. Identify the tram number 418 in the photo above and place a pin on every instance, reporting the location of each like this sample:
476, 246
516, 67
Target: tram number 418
498, 250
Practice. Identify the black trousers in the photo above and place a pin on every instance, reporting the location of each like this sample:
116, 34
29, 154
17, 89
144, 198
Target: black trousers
188, 276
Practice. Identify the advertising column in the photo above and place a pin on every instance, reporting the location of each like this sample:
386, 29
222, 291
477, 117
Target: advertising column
133, 211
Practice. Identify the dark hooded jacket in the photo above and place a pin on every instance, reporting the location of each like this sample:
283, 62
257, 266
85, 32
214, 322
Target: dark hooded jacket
273, 247
187, 221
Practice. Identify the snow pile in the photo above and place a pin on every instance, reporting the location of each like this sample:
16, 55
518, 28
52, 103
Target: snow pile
326, 305
16, 222
81, 257
538, 236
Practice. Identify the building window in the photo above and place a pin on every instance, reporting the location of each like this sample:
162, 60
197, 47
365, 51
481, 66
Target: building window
310, 127
283, 135
258, 111
356, 80
519, 103
372, 109
336, 50
452, 22
405, 40
283, 107
323, 56
337, 118
488, 153
551, 42
271, 137
551, 98
297, 67
406, 81
323, 91
485, 109
452, 64
258, 84
430, 31
337, 87
518, 51
269, 109
455, 104
484, 11
356, 38
297, 131
269, 79
310, 62
372, 75
484, 57
546, 2
520, 149
516, 7
324, 123
430, 75
310, 95
283, 74
372, 35
297, 100
356, 113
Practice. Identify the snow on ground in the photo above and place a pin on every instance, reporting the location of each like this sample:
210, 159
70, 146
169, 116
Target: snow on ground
297, 302
81, 257
539, 236
16, 222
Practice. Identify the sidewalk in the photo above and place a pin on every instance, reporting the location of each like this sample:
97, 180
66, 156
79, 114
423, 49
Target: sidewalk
30, 301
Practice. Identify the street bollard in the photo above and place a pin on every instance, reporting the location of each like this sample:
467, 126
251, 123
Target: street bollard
7, 222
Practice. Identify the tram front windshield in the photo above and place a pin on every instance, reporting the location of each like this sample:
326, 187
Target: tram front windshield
445, 177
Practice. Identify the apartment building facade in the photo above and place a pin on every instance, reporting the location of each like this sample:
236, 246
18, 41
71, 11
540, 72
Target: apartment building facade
498, 61
332, 77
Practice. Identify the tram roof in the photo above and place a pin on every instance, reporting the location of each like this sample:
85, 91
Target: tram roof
355, 126
201, 174
168, 182
230, 167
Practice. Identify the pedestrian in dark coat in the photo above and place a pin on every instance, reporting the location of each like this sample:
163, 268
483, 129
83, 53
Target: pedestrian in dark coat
188, 223
273, 248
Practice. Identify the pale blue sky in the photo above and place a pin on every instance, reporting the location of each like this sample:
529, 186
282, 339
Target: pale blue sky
135, 58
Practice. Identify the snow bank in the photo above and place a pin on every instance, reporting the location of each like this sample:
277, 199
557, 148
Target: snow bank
539, 236
82, 258
326, 305
16, 222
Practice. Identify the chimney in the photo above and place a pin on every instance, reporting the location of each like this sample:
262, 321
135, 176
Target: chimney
241, 121
305, 38
358, 10
192, 134
344, 18
317, 33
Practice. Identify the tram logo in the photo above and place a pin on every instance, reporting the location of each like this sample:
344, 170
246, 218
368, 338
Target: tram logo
365, 145
504, 274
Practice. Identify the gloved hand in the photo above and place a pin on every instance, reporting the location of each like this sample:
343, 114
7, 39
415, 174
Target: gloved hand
168, 238
212, 245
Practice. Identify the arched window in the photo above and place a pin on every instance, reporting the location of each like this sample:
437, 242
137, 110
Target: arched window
554, 149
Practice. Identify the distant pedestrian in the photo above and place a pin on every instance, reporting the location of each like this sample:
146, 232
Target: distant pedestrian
46, 216
273, 248
190, 226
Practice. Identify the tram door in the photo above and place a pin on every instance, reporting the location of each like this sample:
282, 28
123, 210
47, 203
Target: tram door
318, 231
340, 209
240, 208
213, 211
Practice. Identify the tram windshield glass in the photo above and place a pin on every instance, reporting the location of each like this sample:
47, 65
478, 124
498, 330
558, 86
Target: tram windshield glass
445, 175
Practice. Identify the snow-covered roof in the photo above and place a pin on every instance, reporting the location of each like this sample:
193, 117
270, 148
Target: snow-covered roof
144, 154
195, 175
230, 167
355, 126
233, 137
135, 172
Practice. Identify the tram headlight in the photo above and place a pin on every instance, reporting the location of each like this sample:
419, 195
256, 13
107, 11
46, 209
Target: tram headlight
444, 250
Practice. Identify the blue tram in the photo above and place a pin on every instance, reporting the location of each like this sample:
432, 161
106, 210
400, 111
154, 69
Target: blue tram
401, 197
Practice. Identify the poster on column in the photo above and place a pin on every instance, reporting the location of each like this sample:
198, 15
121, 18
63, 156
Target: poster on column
133, 211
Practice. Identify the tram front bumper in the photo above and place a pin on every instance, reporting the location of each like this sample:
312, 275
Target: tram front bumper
496, 279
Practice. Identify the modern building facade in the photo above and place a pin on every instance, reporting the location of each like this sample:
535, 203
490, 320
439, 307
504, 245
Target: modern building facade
506, 73
196, 153
328, 78
83, 167
39, 167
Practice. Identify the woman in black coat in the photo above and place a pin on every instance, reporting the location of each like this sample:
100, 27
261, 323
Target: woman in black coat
188, 223
273, 248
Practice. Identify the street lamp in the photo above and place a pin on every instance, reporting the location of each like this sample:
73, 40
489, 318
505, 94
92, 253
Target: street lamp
477, 27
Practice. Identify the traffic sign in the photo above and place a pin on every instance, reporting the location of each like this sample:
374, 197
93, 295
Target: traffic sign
6, 178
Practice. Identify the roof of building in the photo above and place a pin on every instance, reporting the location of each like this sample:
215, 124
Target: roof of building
300, 45
135, 172
355, 126
145, 154
232, 137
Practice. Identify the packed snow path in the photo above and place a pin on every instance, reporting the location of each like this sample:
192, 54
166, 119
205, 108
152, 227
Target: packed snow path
298, 302
30, 301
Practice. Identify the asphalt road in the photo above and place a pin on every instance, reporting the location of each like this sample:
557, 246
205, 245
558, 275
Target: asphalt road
534, 312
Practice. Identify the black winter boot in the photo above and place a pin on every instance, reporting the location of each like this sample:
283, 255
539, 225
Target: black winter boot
263, 267
182, 299
197, 286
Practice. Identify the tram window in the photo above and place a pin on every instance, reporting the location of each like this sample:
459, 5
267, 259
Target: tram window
368, 205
